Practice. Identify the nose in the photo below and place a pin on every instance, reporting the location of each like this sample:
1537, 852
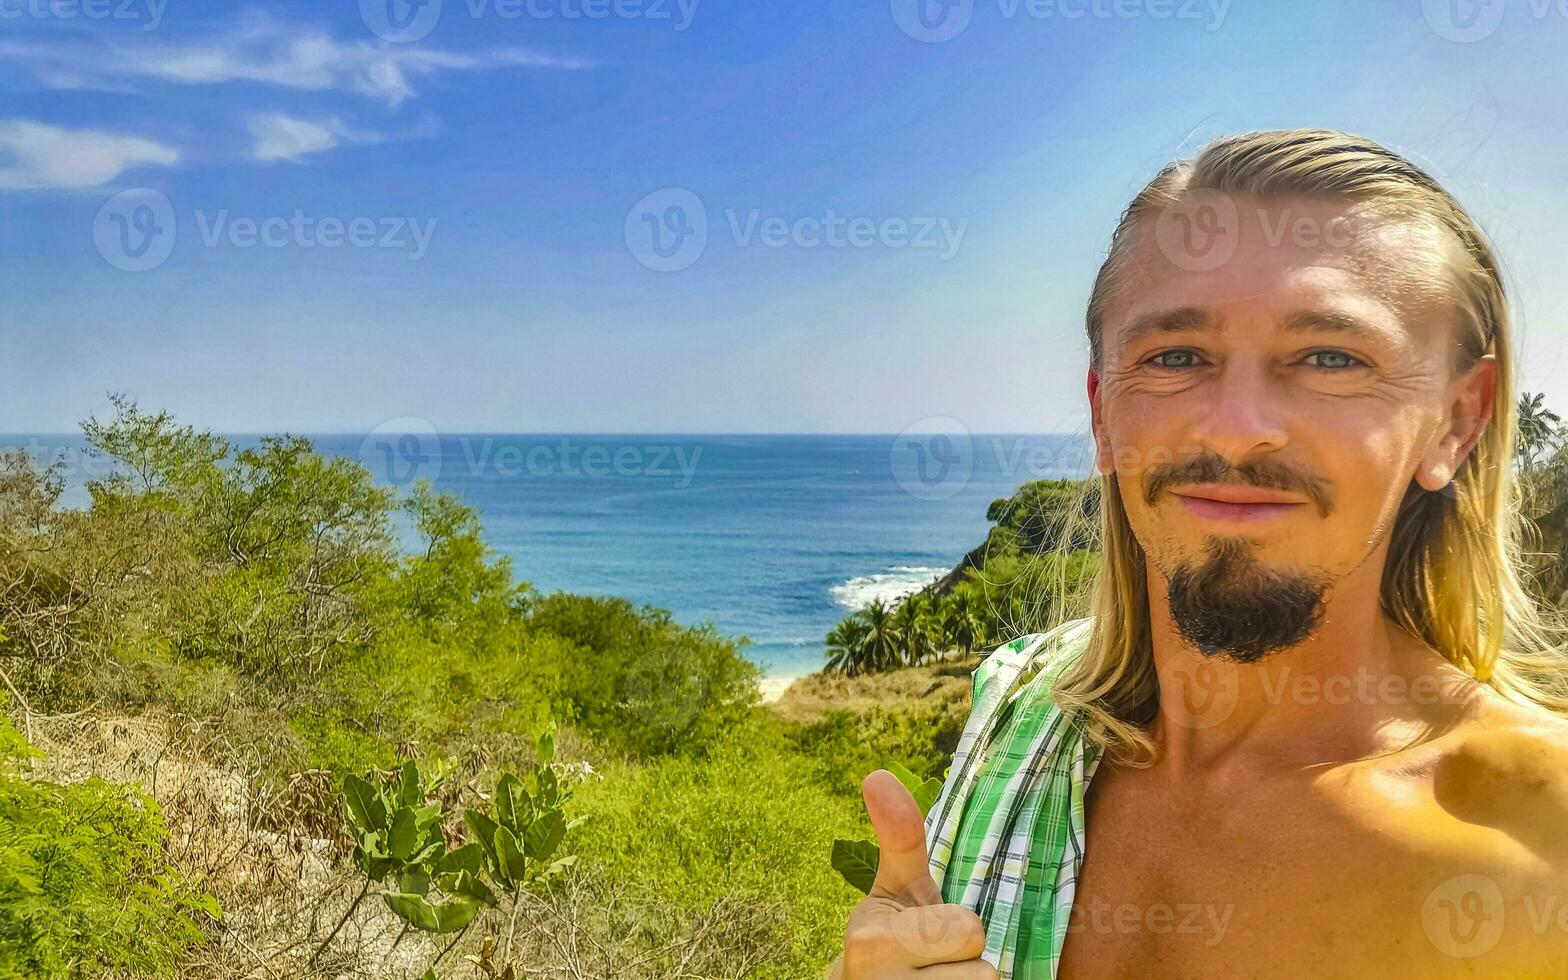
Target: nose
1244, 414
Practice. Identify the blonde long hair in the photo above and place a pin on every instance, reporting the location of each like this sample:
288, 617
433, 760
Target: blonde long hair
1453, 578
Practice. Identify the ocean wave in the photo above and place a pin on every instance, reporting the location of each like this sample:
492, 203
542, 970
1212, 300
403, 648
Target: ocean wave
889, 586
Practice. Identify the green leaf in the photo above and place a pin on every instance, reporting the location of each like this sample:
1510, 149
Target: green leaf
414, 909
421, 914
429, 814
430, 854
559, 866
455, 914
470, 857
431, 974
857, 861
544, 742
511, 802
483, 829
404, 835
910, 780
408, 791
414, 881
544, 834
371, 857
364, 803
925, 791
549, 790
209, 904
467, 886
379, 868
512, 862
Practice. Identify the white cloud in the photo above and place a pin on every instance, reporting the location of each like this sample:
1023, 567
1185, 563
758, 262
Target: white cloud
37, 156
283, 137
268, 53
279, 136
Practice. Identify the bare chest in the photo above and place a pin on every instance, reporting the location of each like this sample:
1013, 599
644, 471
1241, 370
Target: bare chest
1279, 882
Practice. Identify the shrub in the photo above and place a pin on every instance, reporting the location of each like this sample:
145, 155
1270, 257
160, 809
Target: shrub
748, 826
85, 889
639, 681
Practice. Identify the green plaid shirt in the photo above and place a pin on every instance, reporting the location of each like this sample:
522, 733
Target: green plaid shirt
1007, 832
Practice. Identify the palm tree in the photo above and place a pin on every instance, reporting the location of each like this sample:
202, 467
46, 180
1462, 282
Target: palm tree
881, 647
962, 626
846, 645
1539, 428
1542, 454
928, 616
912, 622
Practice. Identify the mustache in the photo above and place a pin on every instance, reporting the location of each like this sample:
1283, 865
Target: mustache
1263, 473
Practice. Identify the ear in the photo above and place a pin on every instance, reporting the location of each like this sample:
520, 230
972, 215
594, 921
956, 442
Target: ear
1103, 460
1470, 410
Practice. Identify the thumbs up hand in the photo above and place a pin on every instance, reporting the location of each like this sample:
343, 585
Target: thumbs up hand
902, 925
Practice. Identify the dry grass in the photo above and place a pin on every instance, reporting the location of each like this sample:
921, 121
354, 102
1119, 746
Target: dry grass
278, 863
282, 884
811, 697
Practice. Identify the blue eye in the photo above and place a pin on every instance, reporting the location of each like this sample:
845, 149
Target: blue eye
1183, 358
1333, 360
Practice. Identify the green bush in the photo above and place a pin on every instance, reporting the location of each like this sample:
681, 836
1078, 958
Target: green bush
85, 889
640, 682
749, 823
843, 746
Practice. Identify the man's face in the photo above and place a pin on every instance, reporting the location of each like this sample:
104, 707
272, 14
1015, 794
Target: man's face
1265, 416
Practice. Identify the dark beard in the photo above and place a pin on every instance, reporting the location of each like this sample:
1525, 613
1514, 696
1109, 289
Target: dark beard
1232, 608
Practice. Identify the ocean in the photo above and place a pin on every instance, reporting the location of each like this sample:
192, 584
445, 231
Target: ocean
770, 537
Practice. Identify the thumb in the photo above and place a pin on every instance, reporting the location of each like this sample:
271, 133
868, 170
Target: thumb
903, 868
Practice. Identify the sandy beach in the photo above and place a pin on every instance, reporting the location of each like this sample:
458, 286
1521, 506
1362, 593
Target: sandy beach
773, 687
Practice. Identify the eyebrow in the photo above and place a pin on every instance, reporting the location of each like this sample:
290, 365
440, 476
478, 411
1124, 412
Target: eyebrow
1191, 319
1186, 319
1331, 321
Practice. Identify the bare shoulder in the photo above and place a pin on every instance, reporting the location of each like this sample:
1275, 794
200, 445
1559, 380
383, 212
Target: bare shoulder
1504, 773
1506, 767
1518, 750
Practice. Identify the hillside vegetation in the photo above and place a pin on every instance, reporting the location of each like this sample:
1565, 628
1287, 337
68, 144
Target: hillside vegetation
273, 720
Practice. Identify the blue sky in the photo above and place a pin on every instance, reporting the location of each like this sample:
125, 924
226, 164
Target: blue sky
455, 209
